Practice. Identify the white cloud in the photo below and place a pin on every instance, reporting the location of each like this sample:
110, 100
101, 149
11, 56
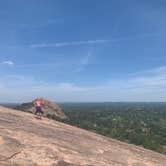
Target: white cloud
74, 65
146, 86
16, 88
73, 43
90, 42
8, 63
85, 60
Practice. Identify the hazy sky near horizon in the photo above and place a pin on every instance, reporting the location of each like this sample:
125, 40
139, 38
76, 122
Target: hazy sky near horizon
83, 50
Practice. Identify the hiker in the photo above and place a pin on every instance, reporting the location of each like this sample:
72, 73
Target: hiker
38, 103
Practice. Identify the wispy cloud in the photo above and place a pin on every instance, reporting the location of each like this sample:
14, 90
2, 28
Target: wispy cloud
74, 65
37, 25
149, 85
90, 42
149, 72
40, 65
73, 43
85, 60
8, 63
17, 88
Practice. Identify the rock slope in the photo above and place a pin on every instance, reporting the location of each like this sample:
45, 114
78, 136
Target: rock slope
27, 141
50, 108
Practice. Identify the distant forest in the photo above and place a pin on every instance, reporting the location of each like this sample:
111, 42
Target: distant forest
142, 124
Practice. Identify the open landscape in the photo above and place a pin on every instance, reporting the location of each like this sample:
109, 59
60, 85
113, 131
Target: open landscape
82, 83
27, 141
142, 124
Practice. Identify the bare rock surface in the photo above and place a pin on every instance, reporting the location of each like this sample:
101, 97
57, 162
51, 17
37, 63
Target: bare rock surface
27, 141
49, 107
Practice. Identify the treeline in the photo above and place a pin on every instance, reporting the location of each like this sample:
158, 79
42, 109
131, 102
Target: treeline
143, 124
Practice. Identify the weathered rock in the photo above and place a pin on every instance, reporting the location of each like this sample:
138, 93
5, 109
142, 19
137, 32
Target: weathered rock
26, 141
50, 108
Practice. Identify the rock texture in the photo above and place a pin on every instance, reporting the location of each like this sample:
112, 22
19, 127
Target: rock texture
27, 141
50, 108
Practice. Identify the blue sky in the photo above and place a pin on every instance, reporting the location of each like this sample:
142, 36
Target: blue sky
81, 50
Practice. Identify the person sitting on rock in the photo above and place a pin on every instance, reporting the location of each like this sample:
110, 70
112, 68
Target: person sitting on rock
38, 103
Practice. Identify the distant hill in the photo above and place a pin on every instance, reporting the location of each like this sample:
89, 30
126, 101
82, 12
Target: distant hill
27, 141
50, 109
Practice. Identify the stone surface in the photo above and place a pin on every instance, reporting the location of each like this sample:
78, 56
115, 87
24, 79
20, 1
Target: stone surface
49, 107
27, 141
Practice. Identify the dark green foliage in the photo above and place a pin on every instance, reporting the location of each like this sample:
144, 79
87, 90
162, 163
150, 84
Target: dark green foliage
142, 124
